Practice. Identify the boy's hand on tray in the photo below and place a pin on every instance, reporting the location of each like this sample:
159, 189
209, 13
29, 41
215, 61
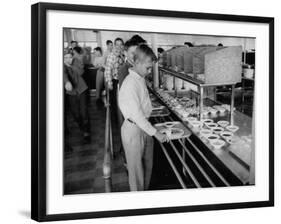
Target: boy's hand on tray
161, 137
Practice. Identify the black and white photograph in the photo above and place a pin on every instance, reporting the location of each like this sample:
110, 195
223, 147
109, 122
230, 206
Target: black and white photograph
139, 111
157, 111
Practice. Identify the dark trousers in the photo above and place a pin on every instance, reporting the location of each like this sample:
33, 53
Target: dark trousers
99, 82
113, 98
116, 115
78, 107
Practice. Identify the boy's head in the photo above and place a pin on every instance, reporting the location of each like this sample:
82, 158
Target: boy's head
77, 51
67, 59
98, 52
130, 48
131, 45
160, 51
138, 39
109, 45
119, 43
74, 44
144, 58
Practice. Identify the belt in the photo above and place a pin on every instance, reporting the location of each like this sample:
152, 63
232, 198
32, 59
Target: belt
128, 119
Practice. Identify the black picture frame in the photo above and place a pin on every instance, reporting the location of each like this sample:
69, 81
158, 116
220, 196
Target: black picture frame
39, 123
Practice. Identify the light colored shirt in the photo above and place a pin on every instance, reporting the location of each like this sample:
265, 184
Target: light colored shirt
106, 53
134, 102
113, 62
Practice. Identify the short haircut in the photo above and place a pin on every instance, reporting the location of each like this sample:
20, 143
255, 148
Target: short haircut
134, 41
188, 44
130, 43
138, 39
220, 45
160, 50
78, 50
98, 49
118, 39
73, 41
144, 50
108, 42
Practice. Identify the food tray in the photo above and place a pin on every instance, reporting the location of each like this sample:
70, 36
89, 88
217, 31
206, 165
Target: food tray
177, 125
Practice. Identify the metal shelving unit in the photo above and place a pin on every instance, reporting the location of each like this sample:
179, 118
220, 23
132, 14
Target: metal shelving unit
200, 88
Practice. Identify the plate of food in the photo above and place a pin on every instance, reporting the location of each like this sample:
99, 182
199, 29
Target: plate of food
232, 128
211, 125
227, 107
223, 123
219, 108
207, 121
212, 137
170, 124
173, 133
217, 130
227, 135
217, 144
213, 111
196, 124
191, 119
205, 112
205, 132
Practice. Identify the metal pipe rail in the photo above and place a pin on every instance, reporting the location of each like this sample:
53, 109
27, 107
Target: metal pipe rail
202, 155
187, 171
108, 149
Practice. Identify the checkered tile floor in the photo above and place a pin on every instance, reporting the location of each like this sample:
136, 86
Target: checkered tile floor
83, 161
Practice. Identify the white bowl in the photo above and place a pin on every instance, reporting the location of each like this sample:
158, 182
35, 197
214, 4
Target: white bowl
169, 124
213, 111
205, 112
216, 106
227, 135
217, 130
212, 137
219, 108
234, 140
191, 119
205, 132
196, 124
207, 121
211, 125
232, 128
185, 114
217, 144
223, 123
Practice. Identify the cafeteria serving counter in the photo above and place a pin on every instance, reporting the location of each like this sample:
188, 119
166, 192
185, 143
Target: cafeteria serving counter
195, 162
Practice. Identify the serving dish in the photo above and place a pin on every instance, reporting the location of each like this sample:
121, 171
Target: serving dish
232, 128
217, 144
227, 135
173, 132
212, 137
211, 125
223, 123
217, 130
